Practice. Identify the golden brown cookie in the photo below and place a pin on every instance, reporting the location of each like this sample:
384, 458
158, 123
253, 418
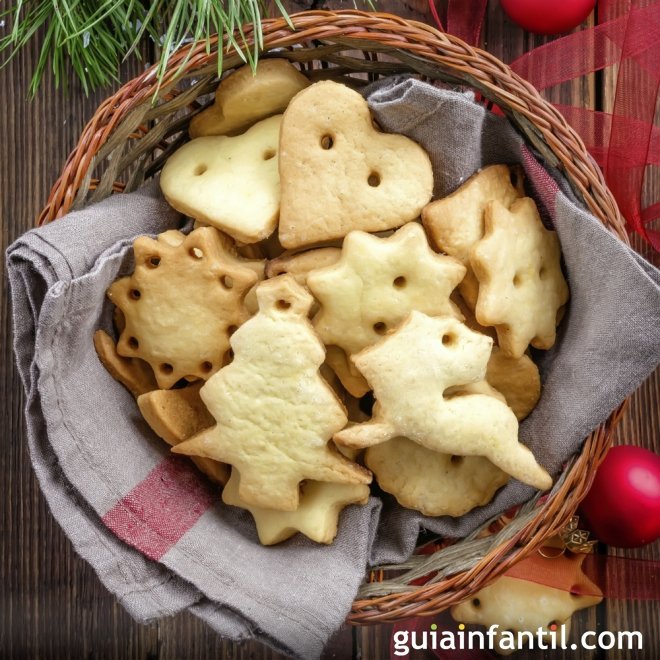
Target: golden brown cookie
456, 222
350, 378
181, 304
246, 96
518, 379
134, 374
339, 173
175, 416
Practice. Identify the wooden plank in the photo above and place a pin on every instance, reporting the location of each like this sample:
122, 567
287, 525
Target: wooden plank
641, 427
52, 605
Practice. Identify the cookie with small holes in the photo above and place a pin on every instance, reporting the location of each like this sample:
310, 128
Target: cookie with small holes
182, 303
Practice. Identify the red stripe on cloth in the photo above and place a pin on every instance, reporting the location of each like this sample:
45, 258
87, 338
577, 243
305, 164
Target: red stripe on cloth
162, 508
544, 185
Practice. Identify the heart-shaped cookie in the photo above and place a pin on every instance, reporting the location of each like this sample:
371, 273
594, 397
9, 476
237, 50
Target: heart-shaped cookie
338, 173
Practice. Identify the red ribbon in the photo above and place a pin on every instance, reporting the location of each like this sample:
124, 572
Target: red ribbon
623, 142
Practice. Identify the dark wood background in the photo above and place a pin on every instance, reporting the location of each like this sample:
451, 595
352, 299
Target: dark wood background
51, 603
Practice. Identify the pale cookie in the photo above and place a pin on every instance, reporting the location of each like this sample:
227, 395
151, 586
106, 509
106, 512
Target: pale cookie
410, 369
518, 379
339, 173
134, 374
317, 515
275, 414
377, 282
515, 605
435, 484
352, 380
175, 416
244, 97
231, 183
456, 222
521, 286
181, 304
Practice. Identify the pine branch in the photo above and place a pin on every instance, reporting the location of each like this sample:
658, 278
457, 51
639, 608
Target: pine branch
92, 38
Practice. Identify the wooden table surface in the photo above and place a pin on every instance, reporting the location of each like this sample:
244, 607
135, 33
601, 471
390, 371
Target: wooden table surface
52, 605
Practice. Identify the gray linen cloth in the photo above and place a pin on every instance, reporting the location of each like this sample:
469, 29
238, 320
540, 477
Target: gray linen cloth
93, 454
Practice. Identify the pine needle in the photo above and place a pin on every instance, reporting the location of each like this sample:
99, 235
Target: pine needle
92, 38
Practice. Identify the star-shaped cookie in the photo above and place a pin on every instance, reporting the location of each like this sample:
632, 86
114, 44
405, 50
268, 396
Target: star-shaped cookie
410, 370
316, 517
275, 414
456, 222
181, 303
377, 282
521, 286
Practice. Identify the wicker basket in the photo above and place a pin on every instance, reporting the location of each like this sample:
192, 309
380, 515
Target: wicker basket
133, 132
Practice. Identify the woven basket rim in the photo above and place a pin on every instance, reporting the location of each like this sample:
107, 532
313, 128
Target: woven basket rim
466, 65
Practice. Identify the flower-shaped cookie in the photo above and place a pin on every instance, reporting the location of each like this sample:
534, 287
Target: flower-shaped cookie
181, 304
377, 282
246, 96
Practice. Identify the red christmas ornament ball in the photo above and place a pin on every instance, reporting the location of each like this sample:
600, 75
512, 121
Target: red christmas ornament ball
622, 508
543, 17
